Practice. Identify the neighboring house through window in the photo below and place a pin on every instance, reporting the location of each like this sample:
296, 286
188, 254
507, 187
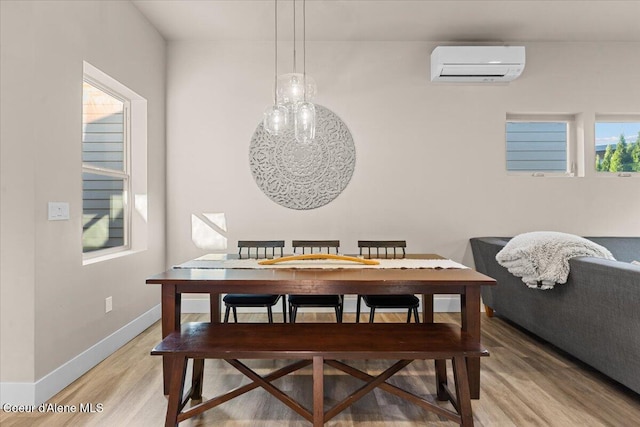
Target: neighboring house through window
540, 144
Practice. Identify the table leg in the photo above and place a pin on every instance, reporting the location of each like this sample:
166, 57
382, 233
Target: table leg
470, 314
318, 391
171, 312
197, 377
440, 365
427, 308
441, 379
214, 307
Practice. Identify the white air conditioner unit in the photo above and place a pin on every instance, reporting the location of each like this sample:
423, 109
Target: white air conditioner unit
480, 64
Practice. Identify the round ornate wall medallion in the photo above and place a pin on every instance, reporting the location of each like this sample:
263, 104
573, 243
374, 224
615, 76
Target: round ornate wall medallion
304, 175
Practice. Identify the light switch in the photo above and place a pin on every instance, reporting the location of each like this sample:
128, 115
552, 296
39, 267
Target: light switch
58, 211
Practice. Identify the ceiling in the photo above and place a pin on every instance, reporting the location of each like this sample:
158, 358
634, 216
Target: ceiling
398, 20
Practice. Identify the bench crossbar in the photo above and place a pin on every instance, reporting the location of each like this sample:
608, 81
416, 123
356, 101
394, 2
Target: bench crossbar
219, 400
397, 391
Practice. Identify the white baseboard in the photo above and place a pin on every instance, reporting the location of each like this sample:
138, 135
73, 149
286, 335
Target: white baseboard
52, 383
441, 304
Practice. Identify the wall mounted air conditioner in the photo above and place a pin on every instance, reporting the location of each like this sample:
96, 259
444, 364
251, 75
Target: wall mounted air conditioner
479, 64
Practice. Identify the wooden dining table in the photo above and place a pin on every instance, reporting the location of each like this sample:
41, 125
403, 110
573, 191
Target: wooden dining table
464, 282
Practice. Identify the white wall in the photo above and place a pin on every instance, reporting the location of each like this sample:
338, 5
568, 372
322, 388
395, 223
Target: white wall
53, 307
430, 164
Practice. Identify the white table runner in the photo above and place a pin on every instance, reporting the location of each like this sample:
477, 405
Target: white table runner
213, 262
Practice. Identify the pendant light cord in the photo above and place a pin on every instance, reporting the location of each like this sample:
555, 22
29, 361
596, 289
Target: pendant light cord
294, 36
304, 50
275, 31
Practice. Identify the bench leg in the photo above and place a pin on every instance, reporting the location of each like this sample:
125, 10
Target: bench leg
175, 390
358, 309
463, 395
318, 391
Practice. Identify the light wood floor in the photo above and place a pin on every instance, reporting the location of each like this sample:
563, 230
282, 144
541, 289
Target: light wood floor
525, 382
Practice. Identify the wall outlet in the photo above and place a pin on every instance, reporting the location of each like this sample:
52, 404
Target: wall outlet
108, 304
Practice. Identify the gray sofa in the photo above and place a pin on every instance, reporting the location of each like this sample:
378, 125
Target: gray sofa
595, 316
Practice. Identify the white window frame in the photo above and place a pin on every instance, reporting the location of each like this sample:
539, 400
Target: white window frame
571, 121
135, 166
124, 174
610, 118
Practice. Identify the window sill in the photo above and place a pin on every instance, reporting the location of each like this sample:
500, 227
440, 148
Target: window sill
542, 174
107, 257
617, 174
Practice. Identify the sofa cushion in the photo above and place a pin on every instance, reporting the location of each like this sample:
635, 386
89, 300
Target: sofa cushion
624, 249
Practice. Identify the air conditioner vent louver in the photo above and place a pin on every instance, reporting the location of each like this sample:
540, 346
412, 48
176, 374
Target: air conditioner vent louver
481, 64
472, 75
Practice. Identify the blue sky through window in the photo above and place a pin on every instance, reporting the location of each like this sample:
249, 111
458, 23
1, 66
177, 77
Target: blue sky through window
609, 132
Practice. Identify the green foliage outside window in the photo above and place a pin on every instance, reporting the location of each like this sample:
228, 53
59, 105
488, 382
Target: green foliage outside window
623, 157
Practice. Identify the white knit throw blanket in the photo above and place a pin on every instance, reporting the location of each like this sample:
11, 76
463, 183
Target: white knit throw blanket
541, 258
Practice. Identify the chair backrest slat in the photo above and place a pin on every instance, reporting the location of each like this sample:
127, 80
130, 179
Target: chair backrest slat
396, 245
249, 245
322, 246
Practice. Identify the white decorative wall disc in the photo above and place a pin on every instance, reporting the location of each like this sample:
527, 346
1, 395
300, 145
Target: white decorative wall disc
304, 175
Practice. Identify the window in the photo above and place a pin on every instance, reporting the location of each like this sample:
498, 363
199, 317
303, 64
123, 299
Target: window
617, 144
105, 169
540, 145
114, 168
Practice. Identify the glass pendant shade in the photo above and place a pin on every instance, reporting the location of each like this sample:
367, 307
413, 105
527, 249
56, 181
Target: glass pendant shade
305, 122
276, 118
292, 93
291, 89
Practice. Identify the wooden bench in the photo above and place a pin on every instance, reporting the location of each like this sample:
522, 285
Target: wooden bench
316, 344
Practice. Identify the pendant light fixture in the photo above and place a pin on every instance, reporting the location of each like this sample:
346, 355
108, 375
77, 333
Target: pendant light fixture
276, 116
292, 92
305, 111
291, 87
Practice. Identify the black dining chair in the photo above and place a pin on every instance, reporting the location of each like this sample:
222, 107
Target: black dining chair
256, 249
297, 301
386, 249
